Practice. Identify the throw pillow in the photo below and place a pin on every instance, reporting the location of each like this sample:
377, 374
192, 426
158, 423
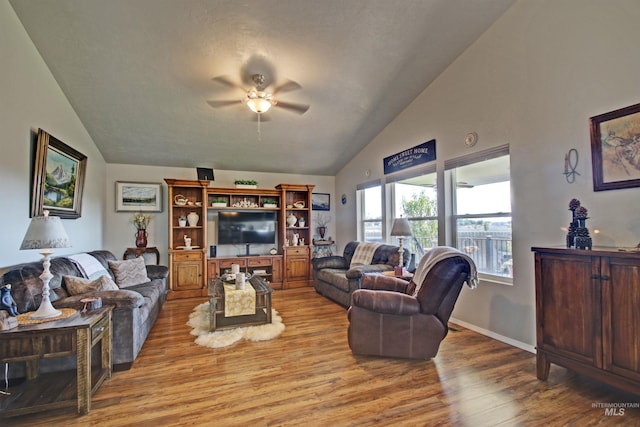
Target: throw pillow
129, 272
80, 285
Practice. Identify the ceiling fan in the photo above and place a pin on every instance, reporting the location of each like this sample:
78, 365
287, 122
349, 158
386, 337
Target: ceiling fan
258, 99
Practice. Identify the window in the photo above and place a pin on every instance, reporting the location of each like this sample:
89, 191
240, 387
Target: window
416, 199
370, 213
481, 211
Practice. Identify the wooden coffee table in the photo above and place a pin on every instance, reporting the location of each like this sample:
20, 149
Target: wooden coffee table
217, 318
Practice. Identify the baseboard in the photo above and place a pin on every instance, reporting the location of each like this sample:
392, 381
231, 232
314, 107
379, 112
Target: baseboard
519, 344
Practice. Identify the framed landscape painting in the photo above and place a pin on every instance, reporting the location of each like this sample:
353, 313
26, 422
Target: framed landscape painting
321, 201
58, 178
615, 149
138, 196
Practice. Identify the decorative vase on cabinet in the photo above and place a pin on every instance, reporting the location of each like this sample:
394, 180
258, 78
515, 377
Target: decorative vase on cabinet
193, 219
141, 238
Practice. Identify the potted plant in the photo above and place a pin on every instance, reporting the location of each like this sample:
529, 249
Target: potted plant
218, 203
246, 183
182, 221
269, 203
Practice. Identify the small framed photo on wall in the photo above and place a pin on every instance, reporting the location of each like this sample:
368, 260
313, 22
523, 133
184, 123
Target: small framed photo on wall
138, 196
321, 201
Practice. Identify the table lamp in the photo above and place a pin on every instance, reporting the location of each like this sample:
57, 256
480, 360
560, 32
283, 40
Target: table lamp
45, 232
401, 228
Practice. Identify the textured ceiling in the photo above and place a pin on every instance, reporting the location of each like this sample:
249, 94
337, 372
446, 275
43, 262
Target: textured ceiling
139, 73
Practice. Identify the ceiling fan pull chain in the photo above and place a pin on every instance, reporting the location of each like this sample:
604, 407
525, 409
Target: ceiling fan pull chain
259, 134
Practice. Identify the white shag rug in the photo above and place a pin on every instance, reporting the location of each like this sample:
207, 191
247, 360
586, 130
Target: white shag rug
199, 322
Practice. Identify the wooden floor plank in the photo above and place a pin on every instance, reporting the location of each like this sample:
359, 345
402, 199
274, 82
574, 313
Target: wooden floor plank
308, 376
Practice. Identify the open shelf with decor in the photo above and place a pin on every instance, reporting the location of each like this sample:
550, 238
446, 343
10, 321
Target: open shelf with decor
296, 234
187, 239
242, 198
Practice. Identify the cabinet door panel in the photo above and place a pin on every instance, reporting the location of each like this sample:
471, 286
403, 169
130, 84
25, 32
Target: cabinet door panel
570, 302
277, 270
187, 275
620, 297
297, 268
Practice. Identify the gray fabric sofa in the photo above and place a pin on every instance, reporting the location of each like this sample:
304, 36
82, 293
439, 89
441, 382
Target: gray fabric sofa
136, 308
334, 279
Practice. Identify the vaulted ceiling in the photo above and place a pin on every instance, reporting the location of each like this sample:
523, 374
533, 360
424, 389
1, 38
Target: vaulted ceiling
139, 73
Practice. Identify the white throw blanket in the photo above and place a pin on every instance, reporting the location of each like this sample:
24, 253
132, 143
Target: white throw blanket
363, 255
437, 254
88, 265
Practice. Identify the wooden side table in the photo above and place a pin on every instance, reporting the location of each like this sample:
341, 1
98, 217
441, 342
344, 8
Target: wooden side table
323, 248
136, 252
73, 336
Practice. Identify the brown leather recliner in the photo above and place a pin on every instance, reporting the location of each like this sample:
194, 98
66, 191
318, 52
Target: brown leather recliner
385, 319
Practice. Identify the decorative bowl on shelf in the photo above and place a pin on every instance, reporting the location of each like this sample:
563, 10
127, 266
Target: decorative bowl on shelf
299, 204
180, 200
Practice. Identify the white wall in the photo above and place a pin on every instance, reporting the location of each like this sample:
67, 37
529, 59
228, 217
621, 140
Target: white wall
30, 99
119, 231
532, 81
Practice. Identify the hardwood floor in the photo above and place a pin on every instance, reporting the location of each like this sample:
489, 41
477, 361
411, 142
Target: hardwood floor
308, 376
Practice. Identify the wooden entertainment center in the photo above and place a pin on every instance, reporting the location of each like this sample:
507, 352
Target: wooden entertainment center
189, 269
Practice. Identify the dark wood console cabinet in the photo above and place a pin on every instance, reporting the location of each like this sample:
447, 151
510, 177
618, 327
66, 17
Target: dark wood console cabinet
588, 313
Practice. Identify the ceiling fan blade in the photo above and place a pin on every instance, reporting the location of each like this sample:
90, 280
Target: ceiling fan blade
226, 103
296, 108
226, 80
288, 86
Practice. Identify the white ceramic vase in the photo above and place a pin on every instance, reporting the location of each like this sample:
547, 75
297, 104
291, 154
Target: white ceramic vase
291, 220
193, 219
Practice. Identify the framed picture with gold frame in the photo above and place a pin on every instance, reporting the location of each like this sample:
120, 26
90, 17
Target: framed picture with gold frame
615, 149
58, 178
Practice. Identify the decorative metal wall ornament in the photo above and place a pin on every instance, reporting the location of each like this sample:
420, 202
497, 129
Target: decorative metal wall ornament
570, 165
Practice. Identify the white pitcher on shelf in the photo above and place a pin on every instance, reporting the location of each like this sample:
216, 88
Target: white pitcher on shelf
295, 239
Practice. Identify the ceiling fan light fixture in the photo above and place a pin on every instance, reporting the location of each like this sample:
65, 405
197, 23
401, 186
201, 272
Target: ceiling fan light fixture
258, 105
259, 101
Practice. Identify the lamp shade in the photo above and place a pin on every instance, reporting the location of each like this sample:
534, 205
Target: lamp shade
45, 232
401, 227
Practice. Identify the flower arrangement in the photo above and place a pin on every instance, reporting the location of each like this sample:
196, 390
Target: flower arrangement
141, 221
322, 220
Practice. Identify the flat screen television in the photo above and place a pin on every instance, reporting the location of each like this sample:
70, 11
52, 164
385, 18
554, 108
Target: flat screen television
238, 227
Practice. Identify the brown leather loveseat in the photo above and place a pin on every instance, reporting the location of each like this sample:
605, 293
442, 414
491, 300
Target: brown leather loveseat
336, 278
